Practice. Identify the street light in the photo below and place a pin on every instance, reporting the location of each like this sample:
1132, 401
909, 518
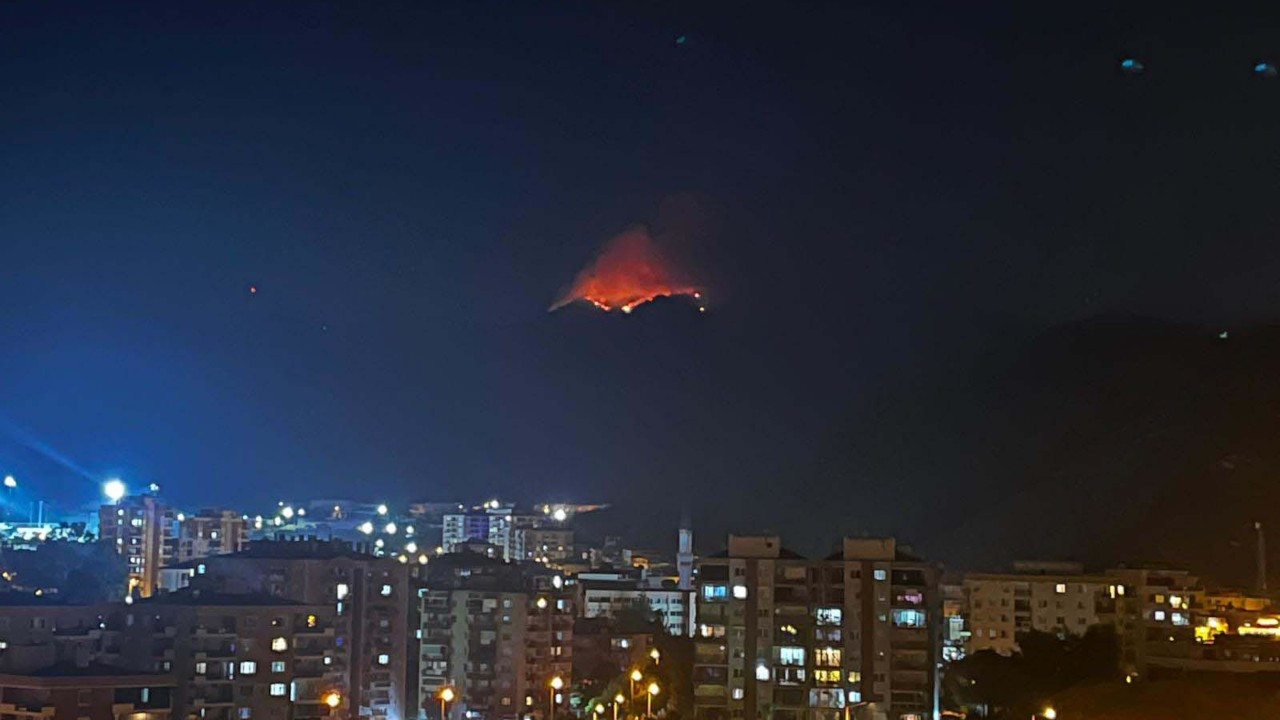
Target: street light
1050, 714
556, 683
652, 690
657, 656
617, 701
113, 489
541, 603
332, 699
597, 710
9, 482
446, 696
636, 677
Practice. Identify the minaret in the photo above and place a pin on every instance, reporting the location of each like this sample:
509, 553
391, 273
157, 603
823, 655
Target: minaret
684, 559
1262, 559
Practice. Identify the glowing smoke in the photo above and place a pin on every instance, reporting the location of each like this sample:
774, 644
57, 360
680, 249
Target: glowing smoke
629, 271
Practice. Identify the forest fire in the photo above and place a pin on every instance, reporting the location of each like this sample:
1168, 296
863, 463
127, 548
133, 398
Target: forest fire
629, 271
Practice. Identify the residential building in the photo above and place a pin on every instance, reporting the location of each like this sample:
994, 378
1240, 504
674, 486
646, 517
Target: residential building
210, 532
793, 638
143, 529
496, 632
370, 596
86, 693
1154, 607
549, 546
1050, 597
608, 593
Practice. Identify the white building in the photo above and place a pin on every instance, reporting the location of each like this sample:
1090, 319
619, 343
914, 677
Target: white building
608, 593
1056, 598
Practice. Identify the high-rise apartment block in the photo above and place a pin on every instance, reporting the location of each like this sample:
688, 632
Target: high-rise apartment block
787, 637
209, 532
143, 529
1054, 597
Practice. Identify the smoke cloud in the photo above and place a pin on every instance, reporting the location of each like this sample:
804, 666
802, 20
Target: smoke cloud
629, 270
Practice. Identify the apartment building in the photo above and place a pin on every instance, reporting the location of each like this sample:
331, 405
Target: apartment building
209, 532
144, 530
182, 655
1154, 616
1050, 597
608, 593
495, 632
370, 596
787, 637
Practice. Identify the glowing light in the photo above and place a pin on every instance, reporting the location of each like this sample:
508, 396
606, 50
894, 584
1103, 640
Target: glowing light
382, 509
1050, 714
390, 528
422, 559
655, 654
653, 688
557, 682
493, 504
366, 527
541, 603
181, 517
446, 694
378, 543
114, 490
287, 512
333, 699
408, 530
10, 482
619, 698
627, 272
560, 515
636, 675
411, 547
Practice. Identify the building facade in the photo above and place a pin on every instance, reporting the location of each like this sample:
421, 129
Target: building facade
209, 532
607, 593
1056, 598
370, 596
144, 530
786, 637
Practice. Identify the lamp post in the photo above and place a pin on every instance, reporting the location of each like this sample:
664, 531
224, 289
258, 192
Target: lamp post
617, 701
446, 696
651, 691
556, 683
1050, 714
636, 677
657, 656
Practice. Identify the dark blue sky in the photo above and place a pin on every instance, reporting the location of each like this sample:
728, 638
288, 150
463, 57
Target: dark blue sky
883, 197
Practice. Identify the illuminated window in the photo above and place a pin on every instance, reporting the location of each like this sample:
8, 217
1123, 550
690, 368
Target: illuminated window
386, 590
762, 672
715, 592
1175, 601
740, 592
1158, 616
1180, 619
828, 615
311, 621
827, 676
1060, 588
1159, 599
202, 668
279, 644
342, 590
384, 659
248, 667
827, 657
790, 655
855, 676
737, 693
880, 574
909, 618
277, 689
277, 666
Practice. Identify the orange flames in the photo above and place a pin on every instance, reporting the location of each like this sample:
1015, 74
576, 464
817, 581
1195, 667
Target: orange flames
629, 271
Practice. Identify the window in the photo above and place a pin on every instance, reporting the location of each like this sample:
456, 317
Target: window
737, 693
277, 666
386, 590
1159, 599
202, 667
245, 713
1158, 616
826, 676
879, 574
828, 615
277, 689
909, 618
791, 655
1180, 619
740, 592
827, 657
342, 590
279, 644
384, 659
1175, 601
762, 672
1060, 588
248, 667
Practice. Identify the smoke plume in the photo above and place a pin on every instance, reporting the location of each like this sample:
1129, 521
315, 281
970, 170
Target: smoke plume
628, 271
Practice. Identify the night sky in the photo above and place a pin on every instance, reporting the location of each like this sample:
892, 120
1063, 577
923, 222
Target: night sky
887, 206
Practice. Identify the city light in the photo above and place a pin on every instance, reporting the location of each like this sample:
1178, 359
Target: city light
287, 512
541, 603
390, 528
366, 527
446, 694
408, 530
636, 675
114, 490
655, 654
333, 699
422, 559
619, 698
1050, 714
10, 482
653, 689
382, 509
560, 515
557, 683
